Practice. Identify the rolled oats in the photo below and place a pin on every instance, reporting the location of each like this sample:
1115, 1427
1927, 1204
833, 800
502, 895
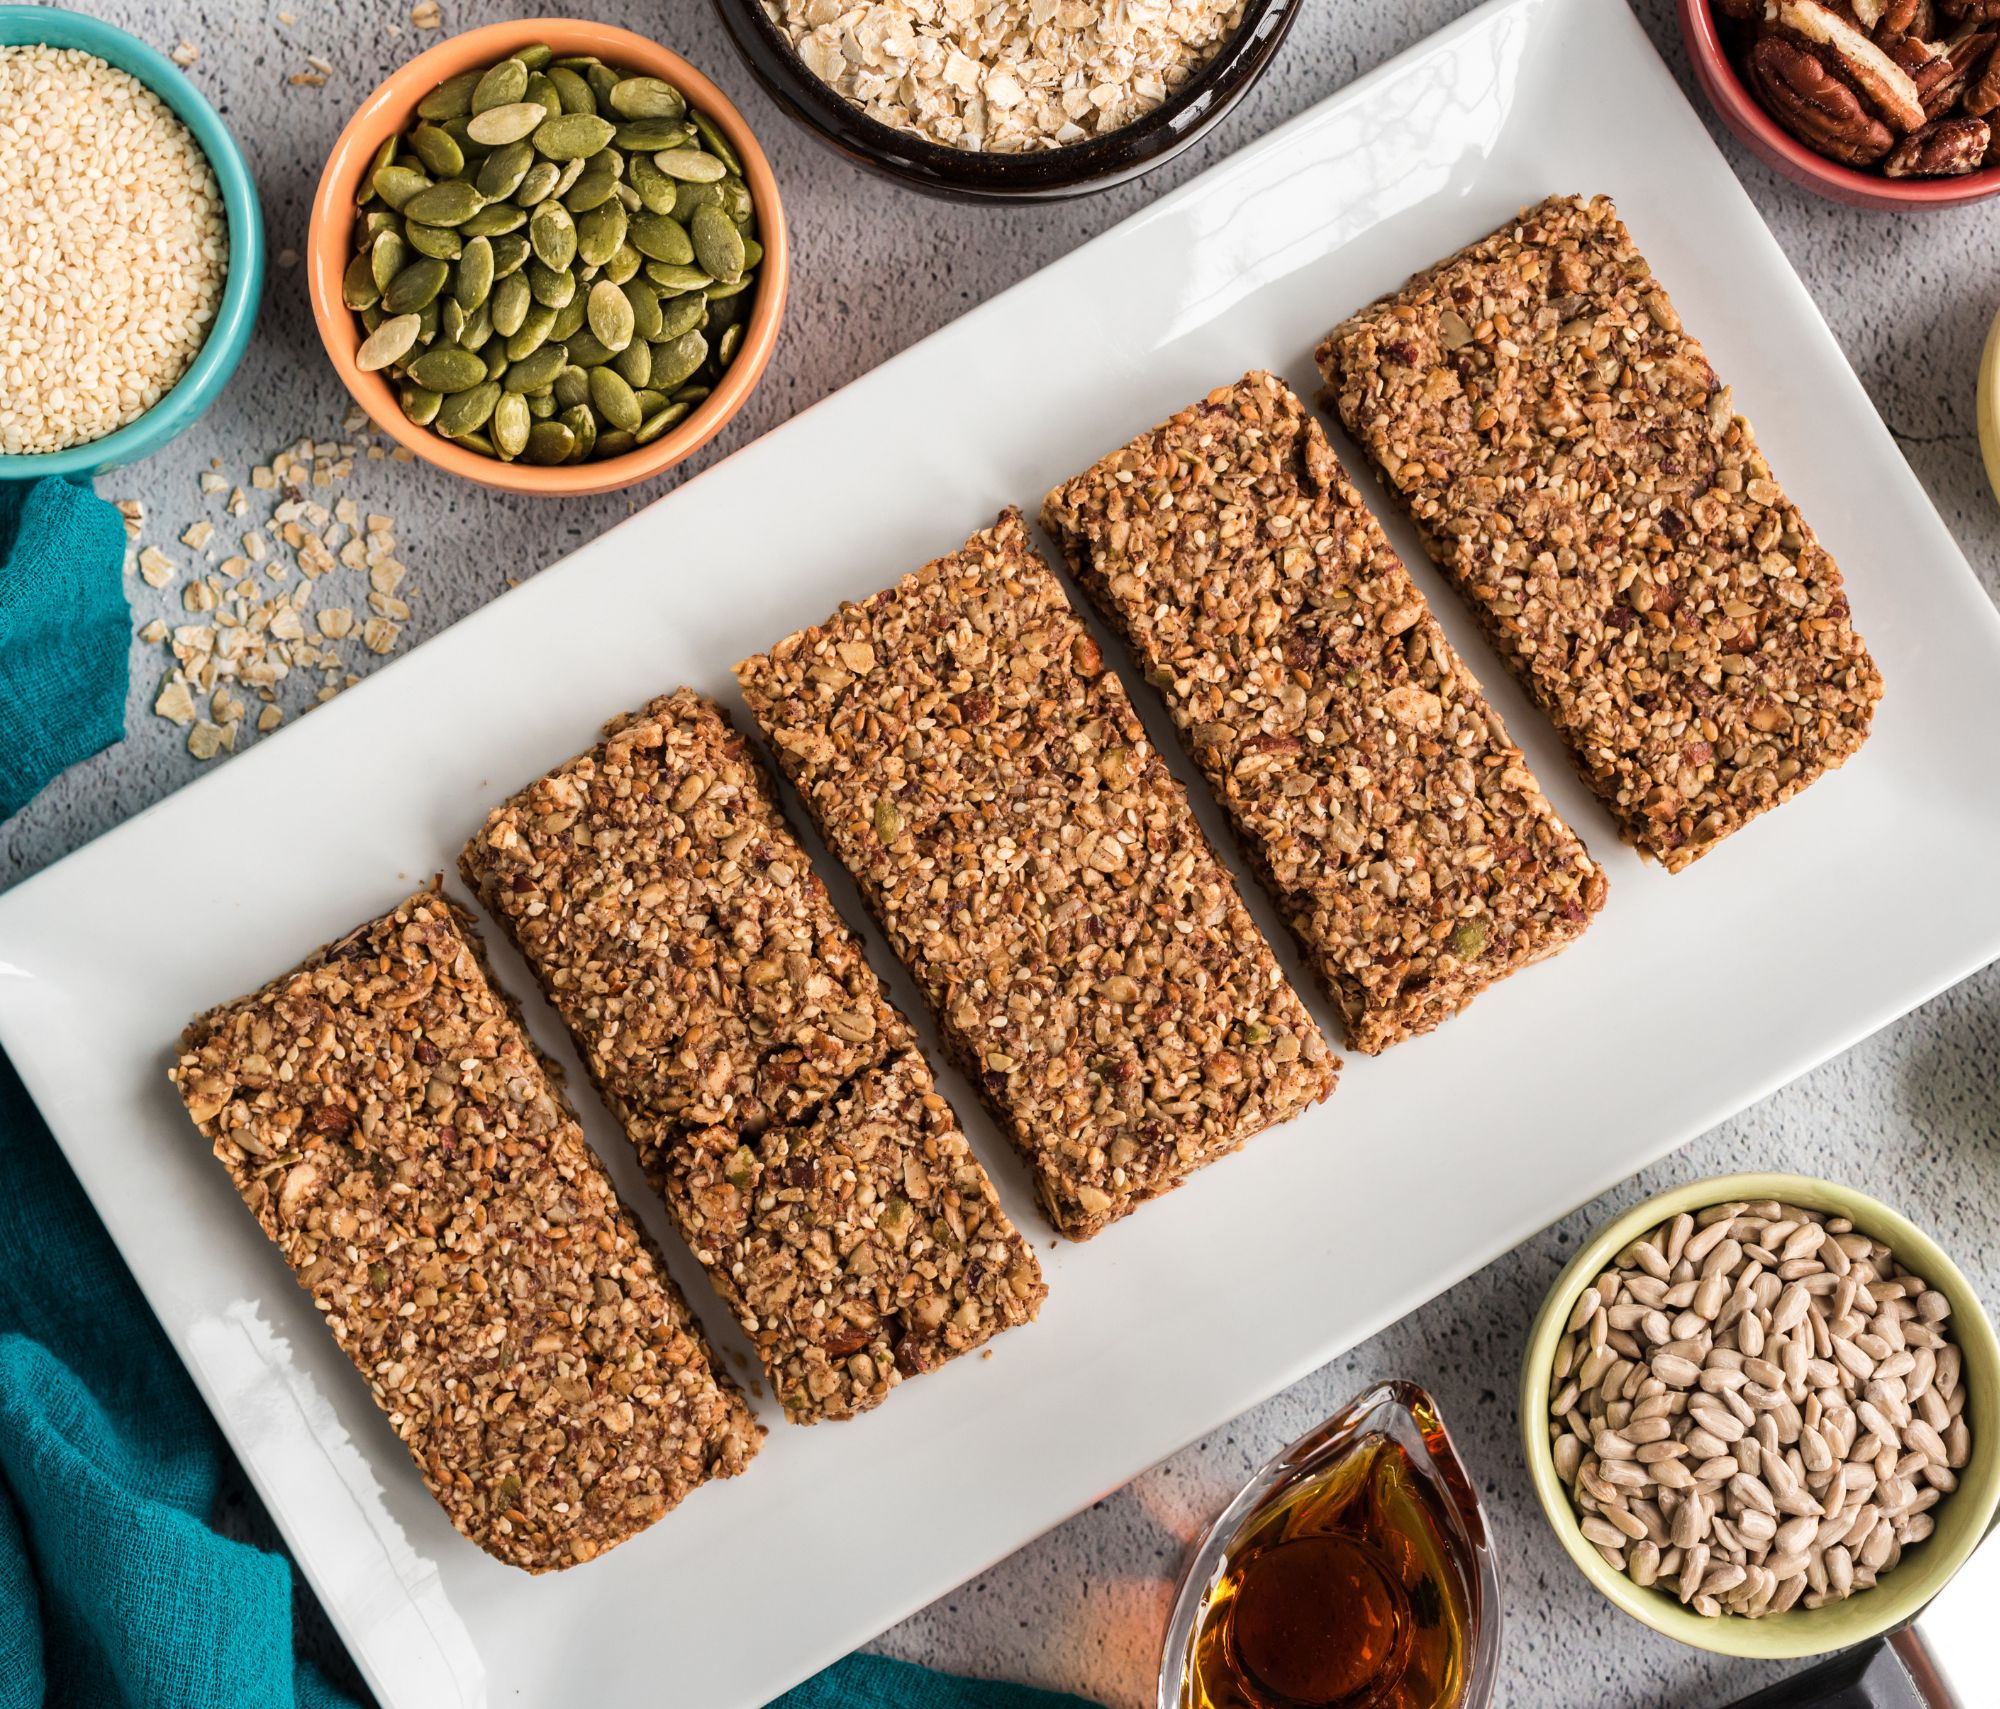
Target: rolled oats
1374, 791
964, 751
395, 1133
1575, 466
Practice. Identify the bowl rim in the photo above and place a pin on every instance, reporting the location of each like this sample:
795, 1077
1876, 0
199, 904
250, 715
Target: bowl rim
1716, 72
1040, 174
242, 289
390, 106
1797, 1632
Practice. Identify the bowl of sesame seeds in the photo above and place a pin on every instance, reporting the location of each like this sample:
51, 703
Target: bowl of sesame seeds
1009, 100
131, 247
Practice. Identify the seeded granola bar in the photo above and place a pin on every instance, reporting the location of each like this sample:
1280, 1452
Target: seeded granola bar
733, 1025
388, 1122
967, 755
1573, 463
1373, 789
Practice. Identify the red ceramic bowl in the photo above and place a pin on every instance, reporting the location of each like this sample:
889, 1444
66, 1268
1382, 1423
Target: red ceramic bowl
1771, 142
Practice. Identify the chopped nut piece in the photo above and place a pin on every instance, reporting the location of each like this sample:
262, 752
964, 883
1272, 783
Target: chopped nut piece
385, 1118
1326, 708
1021, 877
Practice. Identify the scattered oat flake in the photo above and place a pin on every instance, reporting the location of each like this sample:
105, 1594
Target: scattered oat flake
211, 482
154, 633
306, 80
378, 634
336, 622
156, 567
175, 702
426, 16
185, 53
205, 740
269, 719
134, 513
198, 534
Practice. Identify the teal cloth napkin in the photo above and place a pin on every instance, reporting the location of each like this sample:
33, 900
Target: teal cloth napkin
114, 1591
65, 634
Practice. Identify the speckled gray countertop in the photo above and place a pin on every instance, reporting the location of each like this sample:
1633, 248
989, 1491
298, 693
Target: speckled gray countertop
1914, 1113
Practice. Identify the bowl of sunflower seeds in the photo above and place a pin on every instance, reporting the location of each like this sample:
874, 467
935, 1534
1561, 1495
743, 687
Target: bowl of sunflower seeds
549, 256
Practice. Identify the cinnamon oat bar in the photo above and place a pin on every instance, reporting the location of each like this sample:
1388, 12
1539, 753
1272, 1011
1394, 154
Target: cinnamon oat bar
736, 1030
1373, 789
1574, 464
967, 755
388, 1122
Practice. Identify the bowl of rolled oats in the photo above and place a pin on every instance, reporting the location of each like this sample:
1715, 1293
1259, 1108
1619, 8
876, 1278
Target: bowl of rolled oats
1008, 100
1762, 1415
131, 247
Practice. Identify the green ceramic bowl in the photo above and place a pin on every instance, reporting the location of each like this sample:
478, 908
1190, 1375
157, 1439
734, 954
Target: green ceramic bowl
1962, 1517
235, 315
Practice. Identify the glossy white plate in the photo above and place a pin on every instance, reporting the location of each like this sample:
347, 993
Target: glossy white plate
1689, 998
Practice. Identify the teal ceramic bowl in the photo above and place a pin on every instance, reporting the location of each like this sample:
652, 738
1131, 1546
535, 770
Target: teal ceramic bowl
235, 315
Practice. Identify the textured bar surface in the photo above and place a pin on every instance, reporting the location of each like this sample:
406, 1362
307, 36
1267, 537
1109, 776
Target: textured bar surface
386, 1119
1574, 464
967, 755
1374, 791
736, 1029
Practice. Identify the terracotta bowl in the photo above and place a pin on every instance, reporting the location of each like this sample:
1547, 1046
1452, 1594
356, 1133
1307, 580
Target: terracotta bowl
1778, 148
392, 108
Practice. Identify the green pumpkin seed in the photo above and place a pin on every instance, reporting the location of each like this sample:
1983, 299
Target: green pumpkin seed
420, 404
569, 318
501, 172
503, 85
494, 219
551, 286
544, 94
371, 318
511, 301
358, 289
652, 186
649, 136
385, 154
691, 395
497, 126
438, 150
451, 203
660, 237
672, 278
600, 233
690, 165
655, 425
681, 314
597, 187
730, 342
733, 198
573, 136
571, 171
451, 99
439, 242
534, 331
718, 245
646, 98
397, 184
476, 442
586, 350
549, 443
541, 405
468, 411
478, 331
624, 264
473, 278
388, 344
723, 289
571, 90
644, 303
427, 322
572, 387
512, 423
582, 425
717, 144
535, 55
602, 80
416, 286
688, 197
635, 362
446, 368
451, 319
537, 371
373, 224
496, 361
753, 254
553, 233
537, 184
614, 442
675, 362
510, 254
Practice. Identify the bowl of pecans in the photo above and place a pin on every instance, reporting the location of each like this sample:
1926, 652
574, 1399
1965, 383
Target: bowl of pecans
1762, 1415
1016, 101
1877, 103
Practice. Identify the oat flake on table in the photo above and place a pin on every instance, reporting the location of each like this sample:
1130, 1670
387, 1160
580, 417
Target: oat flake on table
1005, 76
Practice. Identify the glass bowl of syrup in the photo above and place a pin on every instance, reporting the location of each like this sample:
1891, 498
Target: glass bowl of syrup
1352, 1572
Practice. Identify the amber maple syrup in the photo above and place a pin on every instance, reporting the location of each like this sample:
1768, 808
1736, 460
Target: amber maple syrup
1350, 1585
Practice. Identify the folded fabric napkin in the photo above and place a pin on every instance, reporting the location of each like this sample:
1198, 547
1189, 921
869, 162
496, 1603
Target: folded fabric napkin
115, 1593
65, 632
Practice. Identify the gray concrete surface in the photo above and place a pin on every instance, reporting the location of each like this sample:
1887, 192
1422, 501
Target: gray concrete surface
1911, 1113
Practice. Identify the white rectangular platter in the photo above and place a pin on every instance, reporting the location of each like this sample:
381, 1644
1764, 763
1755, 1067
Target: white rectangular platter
1689, 998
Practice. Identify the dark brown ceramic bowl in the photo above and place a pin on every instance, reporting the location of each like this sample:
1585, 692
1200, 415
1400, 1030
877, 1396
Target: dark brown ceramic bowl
1046, 175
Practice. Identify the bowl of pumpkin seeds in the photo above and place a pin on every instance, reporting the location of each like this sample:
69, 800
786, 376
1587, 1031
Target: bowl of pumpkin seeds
548, 256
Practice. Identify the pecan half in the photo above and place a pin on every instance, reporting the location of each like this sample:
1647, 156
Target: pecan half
1947, 149
1972, 11
1984, 95
1907, 18
1844, 50
1814, 105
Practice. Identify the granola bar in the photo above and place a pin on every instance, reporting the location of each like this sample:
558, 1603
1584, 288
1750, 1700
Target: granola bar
1573, 463
386, 1119
1373, 789
965, 752
735, 1028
